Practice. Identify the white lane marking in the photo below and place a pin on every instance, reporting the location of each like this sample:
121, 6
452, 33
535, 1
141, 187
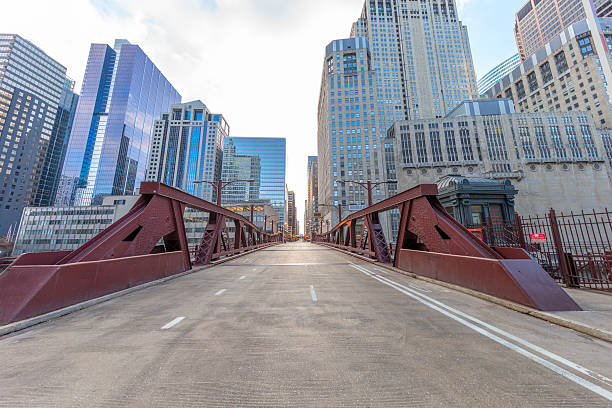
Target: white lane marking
173, 323
313, 294
381, 270
242, 277
220, 292
449, 313
525, 343
419, 288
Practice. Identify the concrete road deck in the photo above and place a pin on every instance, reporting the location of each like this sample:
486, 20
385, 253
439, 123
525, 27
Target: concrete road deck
301, 325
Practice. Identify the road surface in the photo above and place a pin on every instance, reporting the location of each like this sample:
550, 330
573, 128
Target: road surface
301, 325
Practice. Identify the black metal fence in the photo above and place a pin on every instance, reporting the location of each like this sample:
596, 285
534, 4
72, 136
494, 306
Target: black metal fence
574, 248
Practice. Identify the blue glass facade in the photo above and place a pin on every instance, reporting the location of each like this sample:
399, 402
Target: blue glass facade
58, 144
123, 93
272, 163
187, 148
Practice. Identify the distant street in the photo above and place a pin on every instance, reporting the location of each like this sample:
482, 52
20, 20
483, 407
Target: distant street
301, 325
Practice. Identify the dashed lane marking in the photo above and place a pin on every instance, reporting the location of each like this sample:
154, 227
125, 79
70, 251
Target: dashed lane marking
173, 323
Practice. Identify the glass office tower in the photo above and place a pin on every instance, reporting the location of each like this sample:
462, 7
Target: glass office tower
31, 87
123, 93
56, 153
501, 70
272, 161
187, 148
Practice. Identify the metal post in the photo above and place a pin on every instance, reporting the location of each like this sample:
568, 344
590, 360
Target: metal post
519, 231
252, 214
265, 223
369, 193
561, 258
339, 213
219, 188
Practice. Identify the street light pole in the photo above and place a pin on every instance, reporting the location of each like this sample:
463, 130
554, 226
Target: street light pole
368, 186
220, 185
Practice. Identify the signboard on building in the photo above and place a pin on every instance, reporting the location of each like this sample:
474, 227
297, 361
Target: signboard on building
537, 238
245, 208
477, 232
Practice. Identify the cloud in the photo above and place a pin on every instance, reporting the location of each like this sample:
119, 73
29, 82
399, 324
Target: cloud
461, 4
256, 61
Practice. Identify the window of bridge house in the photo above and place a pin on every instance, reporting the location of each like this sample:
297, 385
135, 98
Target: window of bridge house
477, 215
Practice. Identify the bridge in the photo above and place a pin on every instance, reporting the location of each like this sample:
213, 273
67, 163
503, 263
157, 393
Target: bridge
137, 318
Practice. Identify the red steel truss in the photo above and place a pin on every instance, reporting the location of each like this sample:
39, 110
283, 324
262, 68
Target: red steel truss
431, 243
147, 244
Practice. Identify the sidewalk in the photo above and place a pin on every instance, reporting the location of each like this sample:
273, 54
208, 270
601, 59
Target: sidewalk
597, 309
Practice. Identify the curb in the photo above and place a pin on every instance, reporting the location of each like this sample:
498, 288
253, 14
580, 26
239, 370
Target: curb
33, 321
569, 324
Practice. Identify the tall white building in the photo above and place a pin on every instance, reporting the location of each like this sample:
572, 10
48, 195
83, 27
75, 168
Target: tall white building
187, 148
405, 60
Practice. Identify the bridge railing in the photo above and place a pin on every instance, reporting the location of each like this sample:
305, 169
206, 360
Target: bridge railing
5, 262
147, 244
431, 243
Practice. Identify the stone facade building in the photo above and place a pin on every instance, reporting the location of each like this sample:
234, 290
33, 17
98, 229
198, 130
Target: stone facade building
540, 20
564, 75
553, 159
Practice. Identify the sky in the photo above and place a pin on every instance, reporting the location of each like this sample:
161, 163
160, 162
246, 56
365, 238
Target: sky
258, 62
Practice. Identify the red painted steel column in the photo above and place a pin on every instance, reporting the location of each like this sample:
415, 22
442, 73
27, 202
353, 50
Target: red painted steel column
520, 232
178, 209
561, 256
369, 193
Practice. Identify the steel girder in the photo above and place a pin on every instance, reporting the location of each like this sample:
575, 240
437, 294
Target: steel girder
149, 243
431, 243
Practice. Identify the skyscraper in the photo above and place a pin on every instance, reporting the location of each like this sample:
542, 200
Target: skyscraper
187, 148
56, 153
31, 88
348, 137
291, 214
404, 60
312, 200
538, 21
123, 93
490, 78
272, 157
245, 171
567, 74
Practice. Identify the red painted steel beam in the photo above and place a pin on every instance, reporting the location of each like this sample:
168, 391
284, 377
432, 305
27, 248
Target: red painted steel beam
432, 243
124, 255
163, 190
392, 202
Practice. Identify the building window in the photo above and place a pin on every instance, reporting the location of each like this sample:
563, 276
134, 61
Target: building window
546, 72
532, 80
520, 89
561, 63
